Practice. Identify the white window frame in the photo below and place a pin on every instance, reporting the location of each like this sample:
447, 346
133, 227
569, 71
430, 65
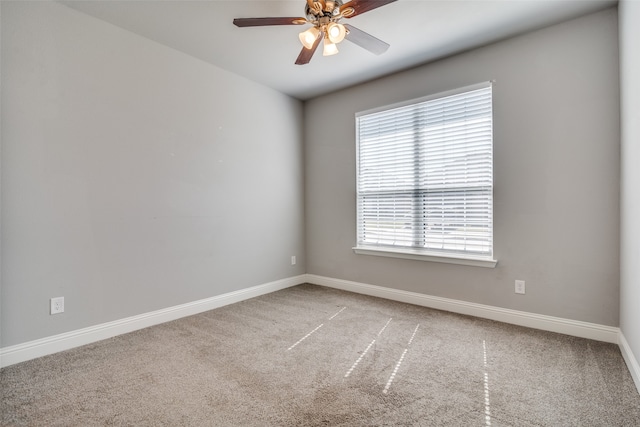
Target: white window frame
479, 252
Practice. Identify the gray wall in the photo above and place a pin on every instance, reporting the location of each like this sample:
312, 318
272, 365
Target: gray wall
556, 110
630, 196
135, 177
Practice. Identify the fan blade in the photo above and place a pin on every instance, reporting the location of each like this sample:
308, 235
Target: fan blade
306, 54
361, 6
365, 40
259, 22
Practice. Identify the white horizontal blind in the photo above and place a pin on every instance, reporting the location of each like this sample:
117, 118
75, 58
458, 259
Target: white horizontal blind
425, 175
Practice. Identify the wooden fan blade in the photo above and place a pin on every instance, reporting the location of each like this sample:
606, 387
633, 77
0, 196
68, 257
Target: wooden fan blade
260, 22
361, 6
306, 54
365, 40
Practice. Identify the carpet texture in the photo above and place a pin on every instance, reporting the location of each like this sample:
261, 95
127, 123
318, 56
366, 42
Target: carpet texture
313, 356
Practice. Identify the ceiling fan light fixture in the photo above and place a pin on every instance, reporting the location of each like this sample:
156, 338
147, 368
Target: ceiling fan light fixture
329, 48
307, 38
336, 32
324, 17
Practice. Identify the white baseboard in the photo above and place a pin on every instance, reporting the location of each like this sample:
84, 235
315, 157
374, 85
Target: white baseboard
631, 361
42, 347
537, 321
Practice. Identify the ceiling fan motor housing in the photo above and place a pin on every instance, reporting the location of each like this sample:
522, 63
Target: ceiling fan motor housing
328, 9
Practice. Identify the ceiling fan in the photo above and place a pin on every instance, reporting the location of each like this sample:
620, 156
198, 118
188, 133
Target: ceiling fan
324, 16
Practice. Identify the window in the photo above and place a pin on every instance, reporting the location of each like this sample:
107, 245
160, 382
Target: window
425, 178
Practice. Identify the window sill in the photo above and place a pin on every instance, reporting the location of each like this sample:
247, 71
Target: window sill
421, 256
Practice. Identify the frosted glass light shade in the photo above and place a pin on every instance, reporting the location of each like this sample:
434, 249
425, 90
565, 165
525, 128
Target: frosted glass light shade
329, 48
307, 38
336, 32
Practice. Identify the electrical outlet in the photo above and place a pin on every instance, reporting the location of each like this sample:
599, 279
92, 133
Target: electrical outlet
293, 260
57, 305
520, 289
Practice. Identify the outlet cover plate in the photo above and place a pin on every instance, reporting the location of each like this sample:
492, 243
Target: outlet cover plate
57, 305
520, 288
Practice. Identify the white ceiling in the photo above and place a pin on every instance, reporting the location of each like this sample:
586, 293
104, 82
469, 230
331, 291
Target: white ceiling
418, 31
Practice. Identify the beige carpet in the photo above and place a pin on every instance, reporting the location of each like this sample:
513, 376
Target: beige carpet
315, 356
